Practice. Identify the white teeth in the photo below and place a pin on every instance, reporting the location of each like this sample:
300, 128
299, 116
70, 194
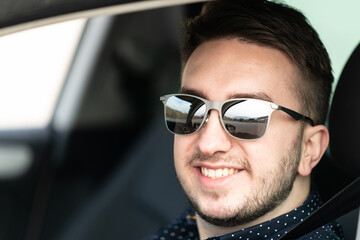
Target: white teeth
211, 173
225, 172
204, 171
218, 173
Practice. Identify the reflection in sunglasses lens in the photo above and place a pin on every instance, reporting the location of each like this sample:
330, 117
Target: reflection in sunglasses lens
184, 114
244, 119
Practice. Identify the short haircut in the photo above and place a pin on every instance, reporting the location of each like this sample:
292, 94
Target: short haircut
272, 25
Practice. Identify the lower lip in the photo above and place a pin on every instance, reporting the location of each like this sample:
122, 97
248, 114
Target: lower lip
213, 183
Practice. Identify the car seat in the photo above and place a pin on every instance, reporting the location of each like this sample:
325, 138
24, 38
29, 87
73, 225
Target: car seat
344, 142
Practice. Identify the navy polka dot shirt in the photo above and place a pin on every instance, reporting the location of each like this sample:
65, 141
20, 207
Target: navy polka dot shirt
185, 227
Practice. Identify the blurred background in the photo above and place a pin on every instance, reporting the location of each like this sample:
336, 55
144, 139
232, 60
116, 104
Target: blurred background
84, 153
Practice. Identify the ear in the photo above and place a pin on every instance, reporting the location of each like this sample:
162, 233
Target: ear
314, 144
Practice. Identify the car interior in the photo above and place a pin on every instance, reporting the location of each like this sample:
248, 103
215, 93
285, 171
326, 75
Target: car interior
103, 167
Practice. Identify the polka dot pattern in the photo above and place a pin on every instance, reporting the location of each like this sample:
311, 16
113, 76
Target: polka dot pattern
185, 228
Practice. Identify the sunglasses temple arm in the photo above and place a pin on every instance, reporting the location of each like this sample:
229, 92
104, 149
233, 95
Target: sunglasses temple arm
295, 115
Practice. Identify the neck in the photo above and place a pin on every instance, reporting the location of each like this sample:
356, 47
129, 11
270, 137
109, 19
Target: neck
296, 198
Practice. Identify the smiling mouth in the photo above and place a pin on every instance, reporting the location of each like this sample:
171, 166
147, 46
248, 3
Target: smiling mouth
218, 173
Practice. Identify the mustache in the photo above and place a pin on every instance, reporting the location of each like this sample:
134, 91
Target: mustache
198, 157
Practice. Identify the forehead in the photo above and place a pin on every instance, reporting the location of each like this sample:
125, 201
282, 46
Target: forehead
223, 68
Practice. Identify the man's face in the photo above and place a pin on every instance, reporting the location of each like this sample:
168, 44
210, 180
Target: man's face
259, 172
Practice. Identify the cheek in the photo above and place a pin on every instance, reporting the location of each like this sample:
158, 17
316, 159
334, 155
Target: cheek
184, 144
182, 153
266, 153
177, 152
178, 147
261, 157
182, 149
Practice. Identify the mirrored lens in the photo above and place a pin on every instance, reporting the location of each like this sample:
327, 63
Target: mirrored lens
246, 119
184, 114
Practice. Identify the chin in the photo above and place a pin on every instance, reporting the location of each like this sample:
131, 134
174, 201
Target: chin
225, 212
218, 207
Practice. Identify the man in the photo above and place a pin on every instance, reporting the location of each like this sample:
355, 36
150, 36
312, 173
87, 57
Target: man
248, 177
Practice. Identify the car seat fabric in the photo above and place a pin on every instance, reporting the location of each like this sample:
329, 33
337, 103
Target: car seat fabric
344, 118
344, 131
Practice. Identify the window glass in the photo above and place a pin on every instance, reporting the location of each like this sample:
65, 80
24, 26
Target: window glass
334, 21
34, 64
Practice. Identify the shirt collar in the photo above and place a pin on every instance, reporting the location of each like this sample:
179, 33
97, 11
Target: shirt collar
275, 228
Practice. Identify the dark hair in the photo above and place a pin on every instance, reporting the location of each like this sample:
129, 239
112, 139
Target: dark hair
273, 25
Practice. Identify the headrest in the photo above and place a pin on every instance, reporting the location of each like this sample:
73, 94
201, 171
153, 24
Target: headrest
344, 119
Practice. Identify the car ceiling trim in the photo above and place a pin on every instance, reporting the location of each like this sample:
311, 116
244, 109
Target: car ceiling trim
111, 10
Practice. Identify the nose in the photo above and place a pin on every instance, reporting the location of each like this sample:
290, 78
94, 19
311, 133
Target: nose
213, 137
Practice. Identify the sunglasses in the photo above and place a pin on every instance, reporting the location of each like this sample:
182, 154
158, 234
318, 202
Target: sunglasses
242, 118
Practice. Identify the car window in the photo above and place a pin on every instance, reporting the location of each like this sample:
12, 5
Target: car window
34, 65
334, 22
